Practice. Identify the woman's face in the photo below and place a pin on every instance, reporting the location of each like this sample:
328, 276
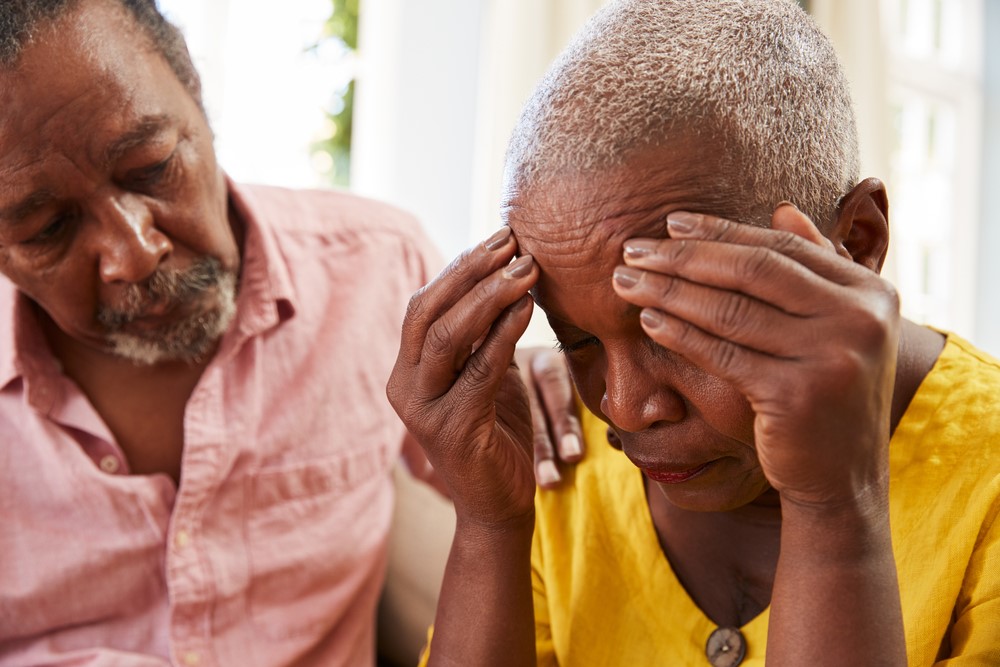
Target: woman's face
690, 432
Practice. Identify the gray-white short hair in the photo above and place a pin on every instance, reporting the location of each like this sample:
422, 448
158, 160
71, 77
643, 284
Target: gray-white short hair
757, 76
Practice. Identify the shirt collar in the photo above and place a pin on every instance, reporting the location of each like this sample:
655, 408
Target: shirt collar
266, 295
24, 351
9, 313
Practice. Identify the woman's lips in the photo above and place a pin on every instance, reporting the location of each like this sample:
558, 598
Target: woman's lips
674, 477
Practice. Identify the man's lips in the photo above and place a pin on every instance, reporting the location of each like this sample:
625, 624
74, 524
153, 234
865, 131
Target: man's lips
674, 476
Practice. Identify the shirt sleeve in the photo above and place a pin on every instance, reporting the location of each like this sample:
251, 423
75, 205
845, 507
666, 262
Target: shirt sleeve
975, 634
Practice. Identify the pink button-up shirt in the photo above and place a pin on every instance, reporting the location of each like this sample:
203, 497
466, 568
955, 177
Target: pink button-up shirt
272, 550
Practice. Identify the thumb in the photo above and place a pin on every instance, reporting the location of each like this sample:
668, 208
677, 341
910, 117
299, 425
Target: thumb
787, 217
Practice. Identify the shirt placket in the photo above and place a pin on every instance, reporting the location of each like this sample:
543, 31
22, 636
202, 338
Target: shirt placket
188, 566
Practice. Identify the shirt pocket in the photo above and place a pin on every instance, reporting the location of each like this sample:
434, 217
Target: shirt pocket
316, 538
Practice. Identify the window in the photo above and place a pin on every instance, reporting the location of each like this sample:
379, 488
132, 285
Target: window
934, 67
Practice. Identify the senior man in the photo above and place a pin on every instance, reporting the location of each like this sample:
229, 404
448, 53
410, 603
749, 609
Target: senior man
195, 445
803, 475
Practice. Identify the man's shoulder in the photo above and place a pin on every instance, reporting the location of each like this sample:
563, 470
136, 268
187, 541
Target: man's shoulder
326, 212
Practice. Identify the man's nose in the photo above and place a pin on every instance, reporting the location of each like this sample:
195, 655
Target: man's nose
634, 399
131, 245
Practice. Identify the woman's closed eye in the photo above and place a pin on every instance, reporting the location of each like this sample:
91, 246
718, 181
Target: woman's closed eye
567, 348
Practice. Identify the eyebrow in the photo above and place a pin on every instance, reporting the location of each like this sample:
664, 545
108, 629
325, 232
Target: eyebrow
148, 127
18, 212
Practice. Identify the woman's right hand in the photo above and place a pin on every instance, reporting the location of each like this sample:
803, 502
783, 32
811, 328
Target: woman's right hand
455, 385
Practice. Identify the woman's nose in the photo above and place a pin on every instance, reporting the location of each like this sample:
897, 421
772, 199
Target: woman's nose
634, 399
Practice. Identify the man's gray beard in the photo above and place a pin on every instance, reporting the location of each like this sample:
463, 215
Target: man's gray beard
190, 339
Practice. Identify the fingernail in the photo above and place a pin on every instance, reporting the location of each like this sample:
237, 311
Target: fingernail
785, 202
651, 318
682, 221
570, 445
627, 277
636, 248
520, 267
498, 240
547, 473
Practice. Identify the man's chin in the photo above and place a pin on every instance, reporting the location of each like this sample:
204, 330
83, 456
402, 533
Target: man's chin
143, 352
191, 339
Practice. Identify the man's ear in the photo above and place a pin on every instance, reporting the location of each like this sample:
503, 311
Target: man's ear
861, 231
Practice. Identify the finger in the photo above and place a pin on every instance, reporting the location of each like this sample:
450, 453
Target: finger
486, 368
722, 313
452, 338
551, 375
789, 218
444, 291
727, 360
546, 471
819, 259
757, 271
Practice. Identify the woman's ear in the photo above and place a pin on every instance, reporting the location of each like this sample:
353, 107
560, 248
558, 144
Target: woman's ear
861, 230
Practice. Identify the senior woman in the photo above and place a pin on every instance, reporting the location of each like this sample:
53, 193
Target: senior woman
803, 474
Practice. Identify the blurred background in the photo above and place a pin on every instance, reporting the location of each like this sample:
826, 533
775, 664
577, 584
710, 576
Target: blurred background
412, 103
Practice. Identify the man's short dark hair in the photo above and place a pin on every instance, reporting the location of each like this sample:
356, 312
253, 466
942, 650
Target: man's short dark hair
20, 20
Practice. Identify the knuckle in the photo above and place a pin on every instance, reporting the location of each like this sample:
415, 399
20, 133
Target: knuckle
542, 445
477, 369
483, 295
416, 306
889, 297
754, 265
786, 242
542, 360
439, 339
691, 340
725, 355
875, 319
840, 372
732, 315
550, 376
461, 268
572, 423
727, 230
666, 288
392, 388
678, 252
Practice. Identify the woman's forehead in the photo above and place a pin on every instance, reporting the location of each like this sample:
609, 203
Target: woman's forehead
632, 199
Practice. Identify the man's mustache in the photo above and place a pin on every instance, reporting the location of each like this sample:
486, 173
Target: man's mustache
165, 285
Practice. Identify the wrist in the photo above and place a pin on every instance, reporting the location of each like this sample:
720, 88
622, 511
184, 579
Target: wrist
848, 529
473, 530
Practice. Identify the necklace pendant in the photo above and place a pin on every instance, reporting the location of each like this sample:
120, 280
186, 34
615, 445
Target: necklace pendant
725, 647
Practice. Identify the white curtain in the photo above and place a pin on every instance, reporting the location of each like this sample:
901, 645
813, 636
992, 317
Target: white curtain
854, 27
860, 47
520, 40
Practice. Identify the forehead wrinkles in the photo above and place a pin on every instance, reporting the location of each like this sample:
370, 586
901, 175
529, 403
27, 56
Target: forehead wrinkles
566, 229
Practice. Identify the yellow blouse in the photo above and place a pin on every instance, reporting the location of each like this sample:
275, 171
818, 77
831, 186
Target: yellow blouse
606, 595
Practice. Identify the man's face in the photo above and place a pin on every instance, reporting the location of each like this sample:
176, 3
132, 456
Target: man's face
113, 211
672, 418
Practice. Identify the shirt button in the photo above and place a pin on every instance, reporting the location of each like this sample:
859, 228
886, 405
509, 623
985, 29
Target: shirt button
191, 658
182, 539
725, 647
109, 464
